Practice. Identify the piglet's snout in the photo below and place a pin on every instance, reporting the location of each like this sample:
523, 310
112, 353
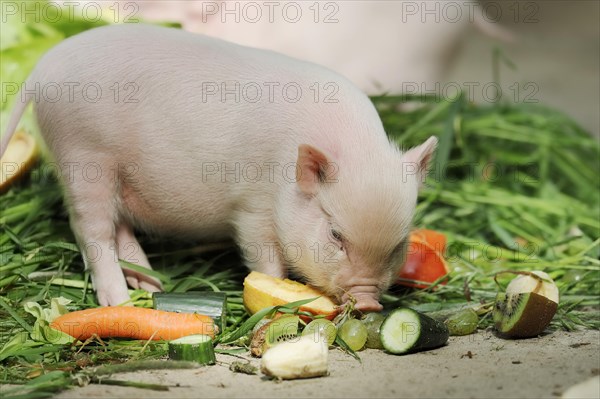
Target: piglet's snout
367, 298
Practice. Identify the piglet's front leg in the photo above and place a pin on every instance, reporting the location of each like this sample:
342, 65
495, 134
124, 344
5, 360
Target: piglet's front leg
92, 214
258, 245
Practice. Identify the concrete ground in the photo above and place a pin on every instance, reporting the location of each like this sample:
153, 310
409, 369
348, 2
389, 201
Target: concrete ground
476, 366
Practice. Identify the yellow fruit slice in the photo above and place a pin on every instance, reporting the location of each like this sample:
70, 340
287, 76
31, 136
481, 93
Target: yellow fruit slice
262, 291
19, 157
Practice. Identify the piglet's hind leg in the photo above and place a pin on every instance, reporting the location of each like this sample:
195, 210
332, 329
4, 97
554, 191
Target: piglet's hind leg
129, 249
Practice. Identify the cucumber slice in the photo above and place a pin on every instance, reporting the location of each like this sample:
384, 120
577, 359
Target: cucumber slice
195, 348
213, 304
407, 331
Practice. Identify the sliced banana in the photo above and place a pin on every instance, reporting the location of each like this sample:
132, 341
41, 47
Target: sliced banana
303, 357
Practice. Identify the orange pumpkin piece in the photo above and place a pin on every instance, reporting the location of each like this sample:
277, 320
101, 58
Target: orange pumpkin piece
425, 259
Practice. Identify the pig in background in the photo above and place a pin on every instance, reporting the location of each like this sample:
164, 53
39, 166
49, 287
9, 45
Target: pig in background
381, 46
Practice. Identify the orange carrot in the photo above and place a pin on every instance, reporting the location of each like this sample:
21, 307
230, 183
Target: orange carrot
135, 323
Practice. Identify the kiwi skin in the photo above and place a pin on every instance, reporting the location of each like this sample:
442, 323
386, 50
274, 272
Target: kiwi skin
258, 340
522, 315
279, 329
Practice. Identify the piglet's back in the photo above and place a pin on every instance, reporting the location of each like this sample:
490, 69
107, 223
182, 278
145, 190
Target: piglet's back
146, 79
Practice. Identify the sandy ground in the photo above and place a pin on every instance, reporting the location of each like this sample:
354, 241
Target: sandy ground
476, 366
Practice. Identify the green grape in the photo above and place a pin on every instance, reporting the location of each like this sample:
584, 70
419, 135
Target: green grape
463, 322
373, 318
354, 334
373, 323
321, 326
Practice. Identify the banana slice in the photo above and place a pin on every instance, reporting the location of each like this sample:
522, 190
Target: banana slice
19, 157
302, 357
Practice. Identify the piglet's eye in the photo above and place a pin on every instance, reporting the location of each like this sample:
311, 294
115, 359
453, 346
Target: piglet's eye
336, 234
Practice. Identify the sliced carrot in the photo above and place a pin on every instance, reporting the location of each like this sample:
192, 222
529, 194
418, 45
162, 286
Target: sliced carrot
135, 323
425, 259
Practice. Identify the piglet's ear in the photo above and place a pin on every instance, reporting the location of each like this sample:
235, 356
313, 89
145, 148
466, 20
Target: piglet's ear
418, 160
311, 168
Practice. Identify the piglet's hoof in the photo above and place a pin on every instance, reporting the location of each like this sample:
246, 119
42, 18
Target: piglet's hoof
138, 280
113, 297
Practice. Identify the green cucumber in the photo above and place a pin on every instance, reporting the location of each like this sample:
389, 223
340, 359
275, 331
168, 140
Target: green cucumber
194, 348
213, 304
463, 321
406, 331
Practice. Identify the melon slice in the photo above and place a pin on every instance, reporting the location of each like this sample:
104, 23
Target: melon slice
262, 291
19, 157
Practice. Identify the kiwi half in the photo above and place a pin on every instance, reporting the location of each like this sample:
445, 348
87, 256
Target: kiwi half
522, 315
277, 330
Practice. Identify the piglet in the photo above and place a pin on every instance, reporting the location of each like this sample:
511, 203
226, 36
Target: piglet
185, 135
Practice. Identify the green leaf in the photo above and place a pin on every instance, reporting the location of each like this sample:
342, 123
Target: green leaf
235, 351
15, 316
42, 332
63, 245
342, 344
16, 345
144, 270
255, 318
